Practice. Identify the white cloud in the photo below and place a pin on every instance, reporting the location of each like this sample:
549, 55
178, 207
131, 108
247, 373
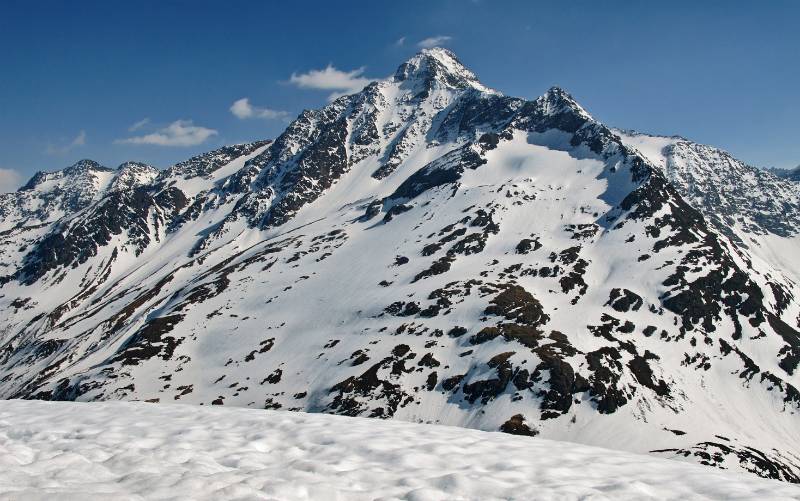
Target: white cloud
242, 109
342, 82
79, 140
433, 41
10, 180
138, 125
400, 42
178, 133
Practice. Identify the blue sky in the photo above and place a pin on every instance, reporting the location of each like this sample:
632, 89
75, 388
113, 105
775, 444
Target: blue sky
156, 81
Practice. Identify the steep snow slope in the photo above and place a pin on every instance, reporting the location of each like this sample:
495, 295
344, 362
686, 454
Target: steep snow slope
139, 451
427, 250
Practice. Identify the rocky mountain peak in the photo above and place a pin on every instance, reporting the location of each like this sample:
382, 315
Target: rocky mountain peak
82, 166
132, 165
556, 100
34, 181
75, 172
132, 174
437, 65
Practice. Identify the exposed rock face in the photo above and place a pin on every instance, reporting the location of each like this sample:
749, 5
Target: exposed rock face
738, 199
426, 249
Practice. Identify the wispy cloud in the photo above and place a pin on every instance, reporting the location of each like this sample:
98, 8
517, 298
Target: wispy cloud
10, 180
342, 82
430, 42
138, 125
242, 109
178, 133
400, 42
79, 140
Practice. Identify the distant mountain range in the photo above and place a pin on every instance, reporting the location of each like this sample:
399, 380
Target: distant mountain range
790, 174
430, 250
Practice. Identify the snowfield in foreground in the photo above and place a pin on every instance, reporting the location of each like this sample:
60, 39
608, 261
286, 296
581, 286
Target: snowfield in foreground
55, 450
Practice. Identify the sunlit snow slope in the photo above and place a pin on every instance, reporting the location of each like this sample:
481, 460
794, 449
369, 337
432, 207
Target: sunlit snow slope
428, 250
121, 451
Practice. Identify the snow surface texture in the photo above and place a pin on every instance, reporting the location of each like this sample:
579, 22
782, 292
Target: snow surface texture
72, 451
426, 250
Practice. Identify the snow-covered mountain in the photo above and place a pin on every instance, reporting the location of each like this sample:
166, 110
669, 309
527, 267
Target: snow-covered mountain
754, 208
30, 213
428, 250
